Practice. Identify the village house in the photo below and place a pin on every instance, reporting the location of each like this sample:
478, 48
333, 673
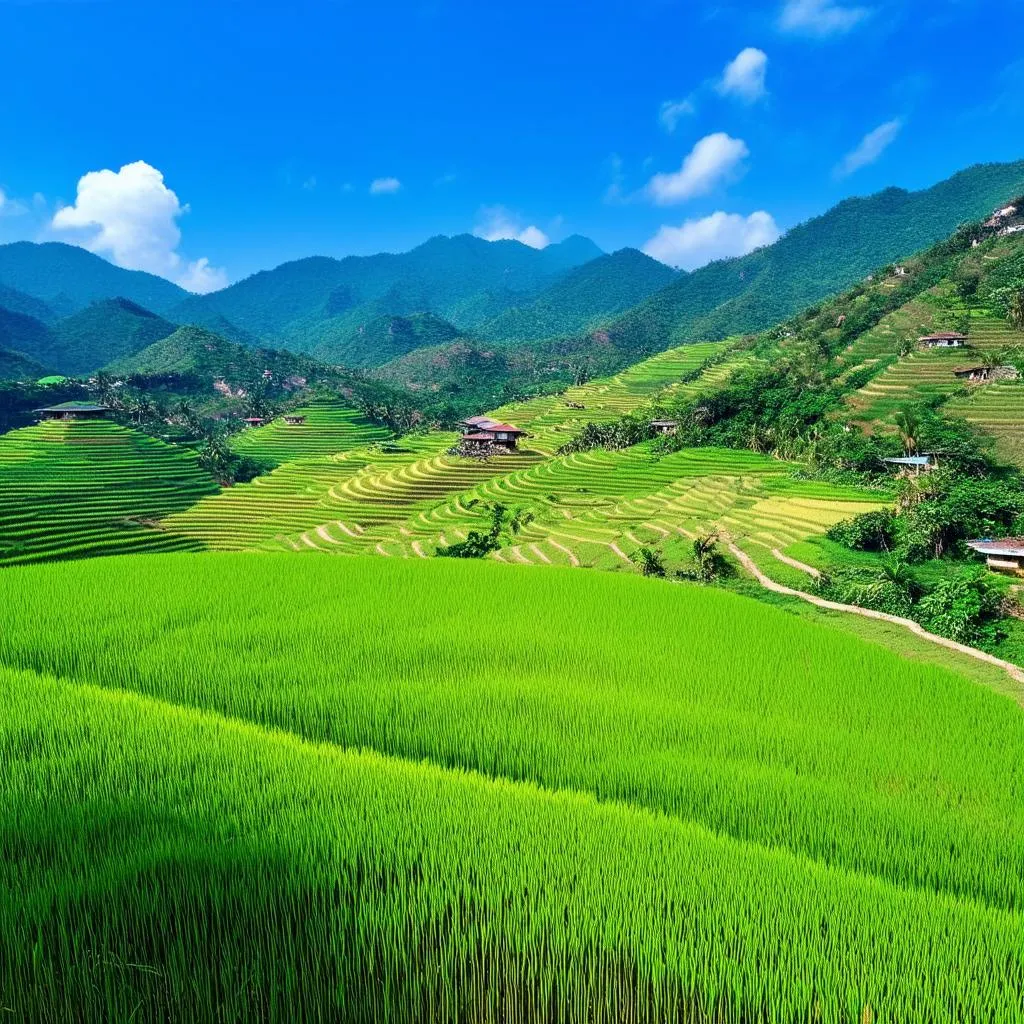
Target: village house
482, 430
943, 339
293, 420
984, 374
73, 411
665, 426
254, 421
1002, 554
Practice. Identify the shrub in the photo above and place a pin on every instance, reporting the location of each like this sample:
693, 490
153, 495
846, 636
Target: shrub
872, 531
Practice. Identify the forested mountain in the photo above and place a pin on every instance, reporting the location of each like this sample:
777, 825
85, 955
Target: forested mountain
15, 366
811, 261
319, 304
388, 337
28, 305
589, 293
68, 278
24, 334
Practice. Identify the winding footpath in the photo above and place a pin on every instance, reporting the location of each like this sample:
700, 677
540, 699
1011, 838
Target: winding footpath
1014, 671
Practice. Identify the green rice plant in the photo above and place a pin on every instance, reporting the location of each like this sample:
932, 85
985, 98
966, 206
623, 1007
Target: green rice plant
241, 787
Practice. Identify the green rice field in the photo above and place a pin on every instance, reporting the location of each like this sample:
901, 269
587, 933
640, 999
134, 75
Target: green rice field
259, 787
79, 488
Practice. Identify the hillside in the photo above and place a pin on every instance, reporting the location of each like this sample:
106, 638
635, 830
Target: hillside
586, 295
68, 278
104, 331
317, 303
15, 366
26, 335
389, 337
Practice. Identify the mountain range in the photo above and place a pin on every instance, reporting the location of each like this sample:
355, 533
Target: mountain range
464, 302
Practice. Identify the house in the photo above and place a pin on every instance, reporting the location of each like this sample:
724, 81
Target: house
1002, 554
476, 423
294, 421
912, 464
899, 272
943, 339
491, 432
73, 411
983, 374
664, 426
254, 421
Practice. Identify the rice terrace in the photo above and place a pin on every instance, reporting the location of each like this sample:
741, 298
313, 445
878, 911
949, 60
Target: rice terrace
608, 610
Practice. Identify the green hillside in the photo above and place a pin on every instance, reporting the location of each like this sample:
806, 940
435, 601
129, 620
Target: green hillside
289, 792
25, 334
72, 489
388, 337
102, 333
18, 302
586, 295
15, 366
318, 303
68, 278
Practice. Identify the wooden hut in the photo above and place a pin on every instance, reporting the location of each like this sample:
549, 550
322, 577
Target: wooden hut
664, 426
943, 339
293, 420
73, 411
1002, 554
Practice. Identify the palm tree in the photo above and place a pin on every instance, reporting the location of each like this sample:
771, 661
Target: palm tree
908, 422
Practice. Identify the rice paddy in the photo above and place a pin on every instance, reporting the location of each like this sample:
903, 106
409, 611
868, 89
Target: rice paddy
324, 789
73, 489
327, 427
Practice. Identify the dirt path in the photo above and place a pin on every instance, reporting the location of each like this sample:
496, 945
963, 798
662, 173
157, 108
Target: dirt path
419, 551
322, 531
622, 554
750, 565
573, 560
540, 554
792, 562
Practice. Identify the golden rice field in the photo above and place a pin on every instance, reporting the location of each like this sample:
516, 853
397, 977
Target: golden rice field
271, 788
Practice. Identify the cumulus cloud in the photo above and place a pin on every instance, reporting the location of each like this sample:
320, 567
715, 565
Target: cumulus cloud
712, 160
498, 223
719, 236
744, 76
130, 216
384, 186
820, 17
673, 111
869, 149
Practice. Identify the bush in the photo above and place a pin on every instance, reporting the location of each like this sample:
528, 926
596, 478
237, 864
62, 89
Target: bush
964, 607
872, 531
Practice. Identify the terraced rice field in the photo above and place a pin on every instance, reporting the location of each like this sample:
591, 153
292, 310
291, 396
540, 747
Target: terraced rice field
552, 420
78, 488
998, 409
464, 793
915, 377
330, 427
595, 508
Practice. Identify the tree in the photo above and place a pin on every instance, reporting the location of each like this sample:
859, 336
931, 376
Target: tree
908, 422
649, 561
709, 561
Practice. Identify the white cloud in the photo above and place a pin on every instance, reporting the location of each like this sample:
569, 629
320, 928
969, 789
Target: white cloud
719, 236
10, 207
744, 75
673, 111
869, 149
498, 223
820, 17
131, 216
713, 159
384, 186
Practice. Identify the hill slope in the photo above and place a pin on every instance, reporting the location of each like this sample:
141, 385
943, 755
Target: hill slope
589, 293
15, 366
68, 278
317, 302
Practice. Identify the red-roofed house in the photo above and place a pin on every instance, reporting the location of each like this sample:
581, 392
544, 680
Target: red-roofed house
480, 430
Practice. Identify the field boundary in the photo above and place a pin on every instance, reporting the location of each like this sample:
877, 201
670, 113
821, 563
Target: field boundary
1014, 671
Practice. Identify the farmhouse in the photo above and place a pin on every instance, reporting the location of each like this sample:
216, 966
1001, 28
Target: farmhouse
254, 421
1002, 554
911, 464
943, 339
478, 431
73, 411
665, 426
982, 374
294, 421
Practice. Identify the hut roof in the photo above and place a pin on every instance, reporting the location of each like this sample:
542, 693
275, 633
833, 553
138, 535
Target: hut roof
998, 546
944, 336
74, 407
911, 460
505, 428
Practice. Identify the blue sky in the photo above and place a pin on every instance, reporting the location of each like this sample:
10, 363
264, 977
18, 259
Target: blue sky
692, 129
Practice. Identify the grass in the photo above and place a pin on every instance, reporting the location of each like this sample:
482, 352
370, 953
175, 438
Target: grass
69, 489
304, 795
